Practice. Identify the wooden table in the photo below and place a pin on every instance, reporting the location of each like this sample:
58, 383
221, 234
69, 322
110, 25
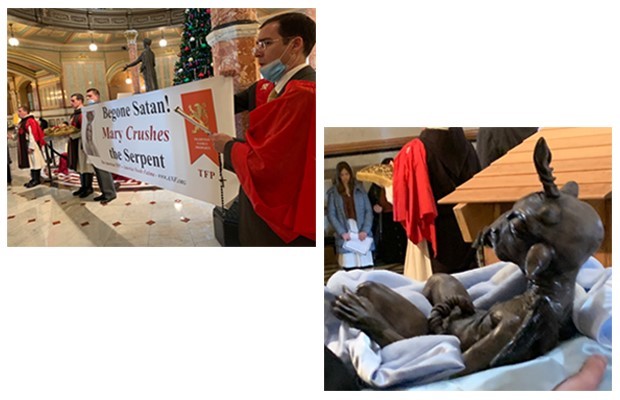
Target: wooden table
579, 154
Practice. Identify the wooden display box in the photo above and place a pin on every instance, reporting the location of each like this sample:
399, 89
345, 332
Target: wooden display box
582, 155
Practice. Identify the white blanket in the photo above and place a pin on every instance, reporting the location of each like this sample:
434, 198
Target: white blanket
434, 357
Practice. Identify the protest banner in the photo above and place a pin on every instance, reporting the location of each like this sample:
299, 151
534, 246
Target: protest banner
142, 137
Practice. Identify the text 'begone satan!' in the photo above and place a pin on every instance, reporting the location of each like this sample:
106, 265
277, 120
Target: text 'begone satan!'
136, 109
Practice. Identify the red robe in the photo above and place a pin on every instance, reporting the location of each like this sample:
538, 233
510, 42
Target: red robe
76, 119
37, 135
276, 166
414, 204
263, 88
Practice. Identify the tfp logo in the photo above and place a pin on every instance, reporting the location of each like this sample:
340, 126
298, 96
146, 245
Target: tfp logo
200, 106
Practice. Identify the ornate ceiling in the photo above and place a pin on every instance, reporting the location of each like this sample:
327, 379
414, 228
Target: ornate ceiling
99, 19
74, 26
63, 39
65, 29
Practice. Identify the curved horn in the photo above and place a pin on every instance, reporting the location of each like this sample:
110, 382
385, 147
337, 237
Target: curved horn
542, 158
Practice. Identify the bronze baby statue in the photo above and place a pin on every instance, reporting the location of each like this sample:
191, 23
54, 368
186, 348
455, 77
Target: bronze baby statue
548, 234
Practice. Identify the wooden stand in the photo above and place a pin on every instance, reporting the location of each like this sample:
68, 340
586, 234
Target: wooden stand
582, 155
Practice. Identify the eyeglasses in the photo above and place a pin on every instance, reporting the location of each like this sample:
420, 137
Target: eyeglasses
263, 44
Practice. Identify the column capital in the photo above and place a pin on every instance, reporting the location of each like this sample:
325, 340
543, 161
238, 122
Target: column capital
233, 31
131, 35
232, 41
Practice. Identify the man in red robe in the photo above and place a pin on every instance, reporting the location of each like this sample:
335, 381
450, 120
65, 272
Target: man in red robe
276, 164
30, 140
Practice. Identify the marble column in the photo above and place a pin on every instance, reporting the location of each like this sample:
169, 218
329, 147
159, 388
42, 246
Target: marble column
232, 40
132, 48
311, 12
13, 95
36, 96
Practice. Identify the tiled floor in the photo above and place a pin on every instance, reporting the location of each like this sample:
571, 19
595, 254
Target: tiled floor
48, 216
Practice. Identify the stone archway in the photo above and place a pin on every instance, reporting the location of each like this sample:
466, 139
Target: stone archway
25, 94
18, 57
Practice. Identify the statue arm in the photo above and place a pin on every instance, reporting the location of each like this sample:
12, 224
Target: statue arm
480, 355
134, 62
515, 339
538, 258
360, 313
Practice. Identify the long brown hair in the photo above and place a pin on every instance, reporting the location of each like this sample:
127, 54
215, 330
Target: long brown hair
339, 185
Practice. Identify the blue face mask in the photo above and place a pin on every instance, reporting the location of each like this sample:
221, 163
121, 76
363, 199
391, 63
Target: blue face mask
90, 101
275, 69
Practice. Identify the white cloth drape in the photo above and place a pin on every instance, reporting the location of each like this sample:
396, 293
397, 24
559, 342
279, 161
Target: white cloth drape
431, 358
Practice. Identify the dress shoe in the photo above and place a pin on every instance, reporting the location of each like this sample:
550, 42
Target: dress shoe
32, 180
79, 191
36, 177
87, 192
107, 200
35, 174
99, 198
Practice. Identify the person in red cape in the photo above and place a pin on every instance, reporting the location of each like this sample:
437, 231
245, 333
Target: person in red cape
31, 140
276, 163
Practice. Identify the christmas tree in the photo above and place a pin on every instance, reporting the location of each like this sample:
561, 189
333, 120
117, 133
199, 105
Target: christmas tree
195, 58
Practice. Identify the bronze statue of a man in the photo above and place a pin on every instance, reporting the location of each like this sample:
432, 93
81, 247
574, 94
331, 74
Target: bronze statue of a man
147, 58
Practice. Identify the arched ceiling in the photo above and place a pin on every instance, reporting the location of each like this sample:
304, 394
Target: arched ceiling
99, 19
65, 26
64, 29
61, 38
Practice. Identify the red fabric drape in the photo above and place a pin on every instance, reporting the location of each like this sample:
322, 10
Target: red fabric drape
37, 133
276, 166
263, 88
414, 204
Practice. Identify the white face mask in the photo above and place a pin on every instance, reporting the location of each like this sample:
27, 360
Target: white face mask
90, 101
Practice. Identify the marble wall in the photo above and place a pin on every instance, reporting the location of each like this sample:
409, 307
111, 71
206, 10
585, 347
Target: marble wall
359, 134
81, 75
348, 135
334, 136
220, 16
51, 95
164, 66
